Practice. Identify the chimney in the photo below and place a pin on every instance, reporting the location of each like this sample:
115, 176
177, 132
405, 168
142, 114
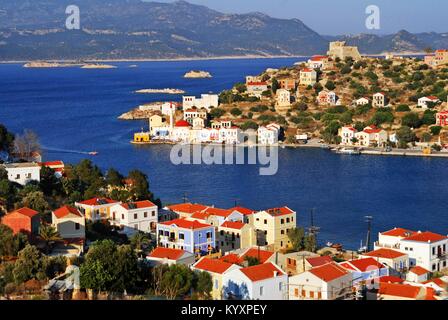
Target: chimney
275, 273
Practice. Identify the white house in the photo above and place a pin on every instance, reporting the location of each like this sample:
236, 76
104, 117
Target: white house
319, 62
308, 77
69, 222
365, 269
379, 100
231, 135
372, 136
96, 209
423, 102
261, 282
362, 101
327, 282
207, 101
268, 135
417, 275
170, 256
23, 173
181, 132
283, 98
393, 259
135, 216
347, 134
256, 89
425, 249
327, 98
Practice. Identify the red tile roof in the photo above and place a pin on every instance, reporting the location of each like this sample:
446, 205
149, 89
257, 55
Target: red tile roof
201, 215
279, 211
257, 84
365, 264
391, 279
318, 58
385, 253
187, 207
329, 272
231, 258
218, 212
182, 123
399, 290
97, 202
166, 253
138, 205
26, 212
262, 271
306, 70
419, 270
213, 265
65, 211
398, 232
319, 261
261, 255
438, 282
186, 224
233, 225
242, 210
426, 237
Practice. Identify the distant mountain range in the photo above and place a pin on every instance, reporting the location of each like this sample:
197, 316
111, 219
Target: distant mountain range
132, 29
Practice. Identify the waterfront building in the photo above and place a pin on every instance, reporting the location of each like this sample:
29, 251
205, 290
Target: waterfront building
96, 209
272, 226
339, 49
24, 220
233, 235
194, 113
268, 135
442, 118
393, 259
206, 101
283, 98
371, 136
142, 137
260, 282
169, 108
22, 173
169, 256
347, 134
192, 236
256, 89
424, 101
325, 282
181, 132
136, 216
425, 249
232, 135
217, 270
308, 77
69, 222
198, 123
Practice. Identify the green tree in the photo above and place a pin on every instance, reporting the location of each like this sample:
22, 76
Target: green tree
240, 87
49, 235
402, 108
411, 120
296, 237
435, 130
203, 284
140, 242
6, 139
176, 281
140, 187
235, 112
275, 85
11, 244
426, 137
49, 183
405, 135
114, 178
36, 201
330, 85
29, 265
216, 113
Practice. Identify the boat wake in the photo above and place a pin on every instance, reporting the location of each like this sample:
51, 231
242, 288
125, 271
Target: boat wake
56, 150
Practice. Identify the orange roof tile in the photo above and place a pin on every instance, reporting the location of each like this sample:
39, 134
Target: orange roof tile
319, 261
65, 211
233, 225
279, 211
399, 290
231, 258
398, 232
426, 237
364, 264
213, 265
138, 205
26, 212
391, 279
242, 210
187, 207
97, 202
166, 253
385, 253
419, 270
261, 255
186, 224
261, 271
329, 272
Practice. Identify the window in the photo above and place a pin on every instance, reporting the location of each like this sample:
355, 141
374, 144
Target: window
122, 217
181, 236
282, 221
135, 216
17, 176
209, 235
216, 284
153, 213
280, 285
282, 231
160, 232
433, 267
136, 226
287, 220
265, 221
433, 251
296, 292
261, 291
167, 233
145, 214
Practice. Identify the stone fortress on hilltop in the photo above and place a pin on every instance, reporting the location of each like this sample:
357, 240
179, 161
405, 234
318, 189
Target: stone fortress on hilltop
338, 49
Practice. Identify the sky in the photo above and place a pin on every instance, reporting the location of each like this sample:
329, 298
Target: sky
336, 17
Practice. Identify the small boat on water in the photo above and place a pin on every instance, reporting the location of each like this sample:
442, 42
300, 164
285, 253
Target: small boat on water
346, 150
93, 153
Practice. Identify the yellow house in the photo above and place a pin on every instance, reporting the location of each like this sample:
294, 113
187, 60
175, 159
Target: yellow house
141, 137
272, 226
96, 209
235, 235
216, 268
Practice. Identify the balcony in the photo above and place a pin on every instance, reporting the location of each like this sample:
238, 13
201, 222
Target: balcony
388, 246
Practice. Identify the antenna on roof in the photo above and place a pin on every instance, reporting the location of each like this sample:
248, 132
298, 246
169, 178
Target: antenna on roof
313, 230
369, 230
236, 202
184, 198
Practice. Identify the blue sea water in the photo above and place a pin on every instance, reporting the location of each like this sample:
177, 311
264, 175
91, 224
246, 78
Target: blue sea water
75, 111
